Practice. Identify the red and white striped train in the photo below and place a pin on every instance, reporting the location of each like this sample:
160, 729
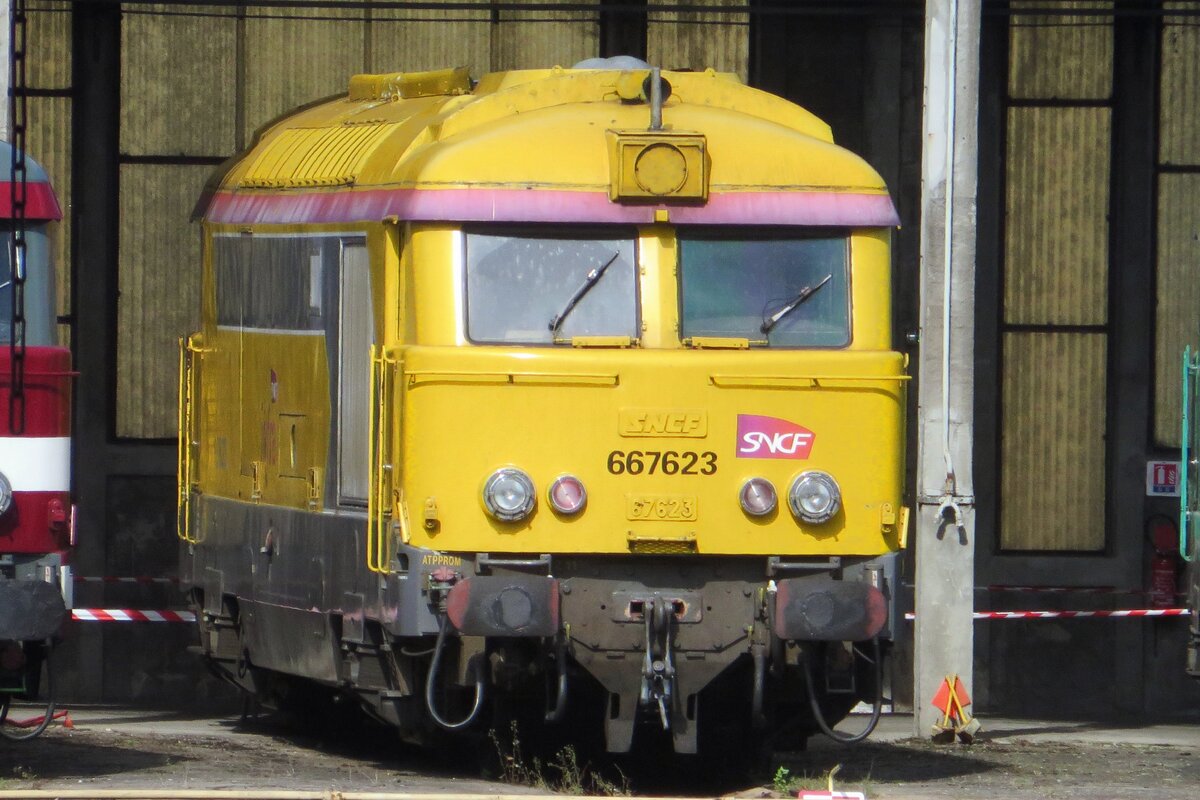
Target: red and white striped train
36, 513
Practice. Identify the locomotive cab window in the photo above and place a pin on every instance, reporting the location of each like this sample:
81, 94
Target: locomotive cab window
540, 287
769, 288
40, 316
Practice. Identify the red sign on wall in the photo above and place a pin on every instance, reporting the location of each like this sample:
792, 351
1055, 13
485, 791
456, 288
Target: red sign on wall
1162, 478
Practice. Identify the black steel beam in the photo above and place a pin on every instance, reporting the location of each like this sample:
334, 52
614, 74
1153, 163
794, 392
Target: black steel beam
95, 125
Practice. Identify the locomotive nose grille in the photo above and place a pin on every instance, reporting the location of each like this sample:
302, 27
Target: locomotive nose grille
662, 545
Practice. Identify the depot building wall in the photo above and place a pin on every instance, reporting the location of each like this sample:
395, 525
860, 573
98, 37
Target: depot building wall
1084, 242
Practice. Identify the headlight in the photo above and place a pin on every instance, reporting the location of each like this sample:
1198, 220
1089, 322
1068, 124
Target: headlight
814, 497
758, 497
508, 495
5, 493
567, 495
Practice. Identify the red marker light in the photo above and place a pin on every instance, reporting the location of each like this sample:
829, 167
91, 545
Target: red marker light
758, 497
567, 495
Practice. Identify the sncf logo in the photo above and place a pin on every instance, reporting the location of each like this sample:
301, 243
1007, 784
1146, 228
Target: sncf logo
770, 437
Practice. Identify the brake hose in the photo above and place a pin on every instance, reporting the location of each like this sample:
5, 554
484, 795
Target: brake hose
35, 729
429, 680
876, 708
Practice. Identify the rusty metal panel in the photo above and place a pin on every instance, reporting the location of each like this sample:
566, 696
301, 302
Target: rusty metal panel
1177, 322
421, 40
295, 56
1179, 135
540, 39
696, 40
1056, 228
178, 83
159, 282
1062, 57
1052, 479
49, 141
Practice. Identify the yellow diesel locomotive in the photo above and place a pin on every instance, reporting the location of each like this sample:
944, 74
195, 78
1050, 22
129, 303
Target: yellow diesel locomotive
566, 393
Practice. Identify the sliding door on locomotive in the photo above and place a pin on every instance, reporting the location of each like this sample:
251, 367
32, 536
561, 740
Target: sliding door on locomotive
568, 391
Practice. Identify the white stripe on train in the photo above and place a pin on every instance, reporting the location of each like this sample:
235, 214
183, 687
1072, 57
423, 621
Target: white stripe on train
36, 463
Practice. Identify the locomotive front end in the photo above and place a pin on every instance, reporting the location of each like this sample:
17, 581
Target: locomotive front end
666, 445
36, 513
666, 512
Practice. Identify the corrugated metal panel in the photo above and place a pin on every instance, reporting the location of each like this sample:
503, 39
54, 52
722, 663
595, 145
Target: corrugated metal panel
1177, 322
1052, 443
1056, 229
48, 47
431, 39
537, 39
159, 282
1063, 57
316, 156
292, 62
1179, 135
49, 141
699, 41
178, 80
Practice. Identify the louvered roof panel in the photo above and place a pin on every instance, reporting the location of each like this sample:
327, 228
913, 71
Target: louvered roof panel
329, 156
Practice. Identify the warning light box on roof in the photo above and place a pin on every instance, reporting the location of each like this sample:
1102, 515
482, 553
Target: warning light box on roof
657, 165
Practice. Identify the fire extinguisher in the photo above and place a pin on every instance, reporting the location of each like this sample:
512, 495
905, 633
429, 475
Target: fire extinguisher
1164, 566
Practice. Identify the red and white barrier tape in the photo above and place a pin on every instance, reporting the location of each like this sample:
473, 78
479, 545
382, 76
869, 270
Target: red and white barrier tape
1132, 612
106, 579
1067, 590
129, 615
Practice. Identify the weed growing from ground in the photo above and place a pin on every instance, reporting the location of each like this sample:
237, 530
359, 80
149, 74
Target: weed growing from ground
562, 775
786, 784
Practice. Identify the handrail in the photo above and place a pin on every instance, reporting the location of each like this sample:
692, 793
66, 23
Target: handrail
416, 377
899, 377
379, 500
1190, 369
183, 525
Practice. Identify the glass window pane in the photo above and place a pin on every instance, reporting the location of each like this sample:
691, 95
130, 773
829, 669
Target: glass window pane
1064, 56
357, 326
1176, 324
5, 287
518, 284
1052, 482
159, 283
270, 283
40, 320
1056, 222
779, 290
1179, 90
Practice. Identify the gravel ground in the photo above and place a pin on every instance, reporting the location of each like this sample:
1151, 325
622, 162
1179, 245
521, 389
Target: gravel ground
109, 749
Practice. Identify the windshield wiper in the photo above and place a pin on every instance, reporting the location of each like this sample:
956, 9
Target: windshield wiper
805, 293
592, 278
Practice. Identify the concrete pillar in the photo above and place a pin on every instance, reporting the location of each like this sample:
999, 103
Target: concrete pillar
945, 523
